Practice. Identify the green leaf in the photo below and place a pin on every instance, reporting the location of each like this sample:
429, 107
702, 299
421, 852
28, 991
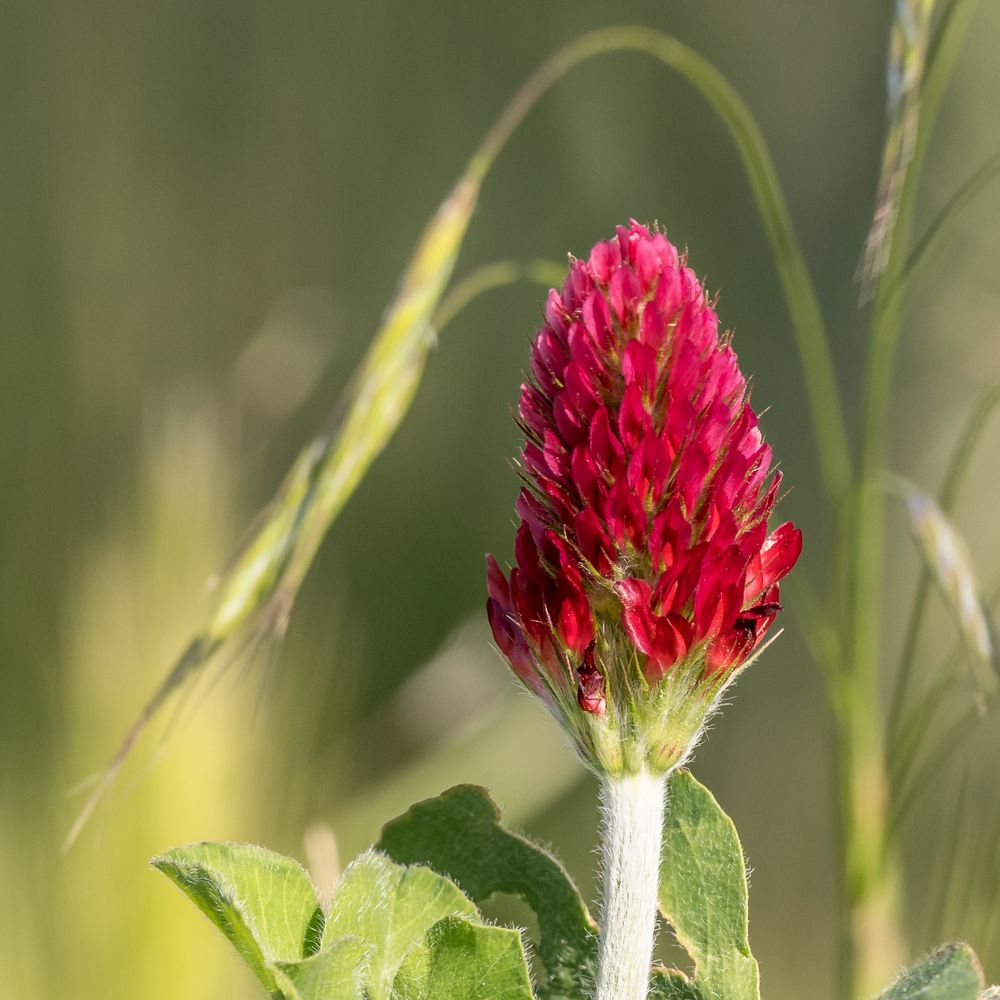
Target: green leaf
703, 891
264, 903
336, 973
460, 959
390, 908
951, 973
669, 984
459, 834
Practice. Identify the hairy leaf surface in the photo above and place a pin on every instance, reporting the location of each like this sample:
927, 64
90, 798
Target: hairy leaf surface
703, 891
460, 834
951, 973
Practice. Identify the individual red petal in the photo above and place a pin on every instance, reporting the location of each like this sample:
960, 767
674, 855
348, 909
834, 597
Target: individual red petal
670, 644
756, 475
634, 592
665, 250
595, 545
526, 553
586, 354
780, 553
527, 604
605, 258
685, 370
577, 287
668, 596
634, 421
692, 475
585, 475
639, 475
717, 605
582, 393
566, 418
723, 382
624, 515
671, 534
547, 382
533, 458
628, 238
714, 423
496, 582
624, 294
639, 368
511, 641
653, 326
668, 296
597, 320
637, 619
552, 350
606, 449
556, 313
729, 650
533, 513
557, 498
534, 411
557, 459
646, 262
680, 422
576, 621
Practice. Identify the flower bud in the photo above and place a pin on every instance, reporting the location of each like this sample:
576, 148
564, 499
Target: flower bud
645, 576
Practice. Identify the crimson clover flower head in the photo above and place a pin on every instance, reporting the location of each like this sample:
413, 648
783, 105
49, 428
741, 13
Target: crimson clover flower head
645, 575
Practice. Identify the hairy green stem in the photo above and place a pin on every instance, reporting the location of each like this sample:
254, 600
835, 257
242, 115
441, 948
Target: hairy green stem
633, 808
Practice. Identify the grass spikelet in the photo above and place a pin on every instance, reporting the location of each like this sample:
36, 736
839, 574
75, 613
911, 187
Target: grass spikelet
947, 557
908, 45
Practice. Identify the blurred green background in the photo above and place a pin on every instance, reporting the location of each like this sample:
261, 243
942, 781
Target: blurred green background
203, 211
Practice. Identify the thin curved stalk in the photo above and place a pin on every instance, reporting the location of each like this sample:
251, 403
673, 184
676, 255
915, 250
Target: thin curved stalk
492, 276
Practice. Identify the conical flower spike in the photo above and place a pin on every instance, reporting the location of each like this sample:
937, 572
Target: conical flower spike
645, 576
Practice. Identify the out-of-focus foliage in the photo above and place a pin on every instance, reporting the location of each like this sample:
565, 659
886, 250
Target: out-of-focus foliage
181, 181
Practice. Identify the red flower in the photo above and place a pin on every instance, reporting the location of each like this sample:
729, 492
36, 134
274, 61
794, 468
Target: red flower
645, 575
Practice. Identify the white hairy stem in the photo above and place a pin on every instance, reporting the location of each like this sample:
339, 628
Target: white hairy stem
632, 807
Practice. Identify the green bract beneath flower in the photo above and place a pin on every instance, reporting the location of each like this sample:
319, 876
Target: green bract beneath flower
645, 574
